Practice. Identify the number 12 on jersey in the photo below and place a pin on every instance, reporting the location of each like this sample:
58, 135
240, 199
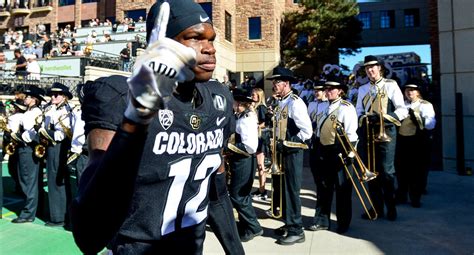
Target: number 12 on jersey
180, 171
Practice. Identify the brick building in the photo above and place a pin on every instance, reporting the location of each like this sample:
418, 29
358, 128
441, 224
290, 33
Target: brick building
248, 31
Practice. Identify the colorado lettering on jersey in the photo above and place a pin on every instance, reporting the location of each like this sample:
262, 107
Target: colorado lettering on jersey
181, 143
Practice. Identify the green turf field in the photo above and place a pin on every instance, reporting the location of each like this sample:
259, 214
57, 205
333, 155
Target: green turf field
30, 238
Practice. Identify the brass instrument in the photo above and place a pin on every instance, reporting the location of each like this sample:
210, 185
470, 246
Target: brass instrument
382, 137
231, 146
365, 174
11, 146
67, 130
44, 137
277, 171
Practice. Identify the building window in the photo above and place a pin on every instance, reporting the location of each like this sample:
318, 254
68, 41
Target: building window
302, 40
296, 1
135, 14
365, 18
90, 1
207, 7
228, 27
255, 28
387, 19
66, 2
412, 17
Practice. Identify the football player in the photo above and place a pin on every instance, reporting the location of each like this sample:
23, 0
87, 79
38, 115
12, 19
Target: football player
145, 189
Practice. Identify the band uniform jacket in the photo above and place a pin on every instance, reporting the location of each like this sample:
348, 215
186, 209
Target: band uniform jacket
424, 118
299, 127
384, 94
330, 113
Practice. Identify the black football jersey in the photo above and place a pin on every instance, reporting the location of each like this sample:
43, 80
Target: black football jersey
181, 152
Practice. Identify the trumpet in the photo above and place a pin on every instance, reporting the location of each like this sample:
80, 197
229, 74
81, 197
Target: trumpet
362, 173
277, 173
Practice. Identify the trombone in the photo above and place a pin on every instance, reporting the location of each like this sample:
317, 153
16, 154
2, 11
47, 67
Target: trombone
277, 173
362, 173
381, 137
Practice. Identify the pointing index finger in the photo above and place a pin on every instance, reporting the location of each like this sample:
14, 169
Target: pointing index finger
159, 30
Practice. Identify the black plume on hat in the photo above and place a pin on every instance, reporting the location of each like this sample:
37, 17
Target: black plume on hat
183, 14
281, 73
35, 91
242, 95
61, 88
371, 60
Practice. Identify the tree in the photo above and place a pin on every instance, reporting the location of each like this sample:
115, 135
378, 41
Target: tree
318, 32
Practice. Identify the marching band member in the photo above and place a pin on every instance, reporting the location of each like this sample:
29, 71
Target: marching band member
57, 128
13, 126
243, 164
320, 99
414, 146
330, 172
28, 163
380, 98
78, 156
260, 108
294, 126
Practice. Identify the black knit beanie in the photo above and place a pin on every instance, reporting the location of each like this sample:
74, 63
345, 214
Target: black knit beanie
183, 14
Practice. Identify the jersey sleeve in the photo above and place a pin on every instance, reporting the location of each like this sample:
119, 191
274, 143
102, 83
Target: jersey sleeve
105, 100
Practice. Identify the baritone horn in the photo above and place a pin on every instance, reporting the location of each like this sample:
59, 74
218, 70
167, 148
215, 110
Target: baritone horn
362, 173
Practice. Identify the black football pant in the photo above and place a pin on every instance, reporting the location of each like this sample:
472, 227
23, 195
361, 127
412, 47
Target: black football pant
187, 241
221, 216
28, 174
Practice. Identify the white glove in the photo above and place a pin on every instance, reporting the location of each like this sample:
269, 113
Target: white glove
157, 71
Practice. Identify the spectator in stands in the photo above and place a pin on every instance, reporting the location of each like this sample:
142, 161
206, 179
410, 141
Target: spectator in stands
66, 49
40, 30
74, 46
28, 50
131, 25
106, 37
140, 19
20, 67
3, 59
125, 56
92, 23
19, 37
33, 68
92, 37
47, 46
107, 23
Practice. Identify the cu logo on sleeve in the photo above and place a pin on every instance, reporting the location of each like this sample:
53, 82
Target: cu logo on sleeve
219, 102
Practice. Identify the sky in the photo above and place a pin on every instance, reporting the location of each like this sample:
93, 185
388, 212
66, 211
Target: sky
424, 51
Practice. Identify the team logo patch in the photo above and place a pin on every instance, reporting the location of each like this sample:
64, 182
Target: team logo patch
166, 118
219, 102
195, 121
